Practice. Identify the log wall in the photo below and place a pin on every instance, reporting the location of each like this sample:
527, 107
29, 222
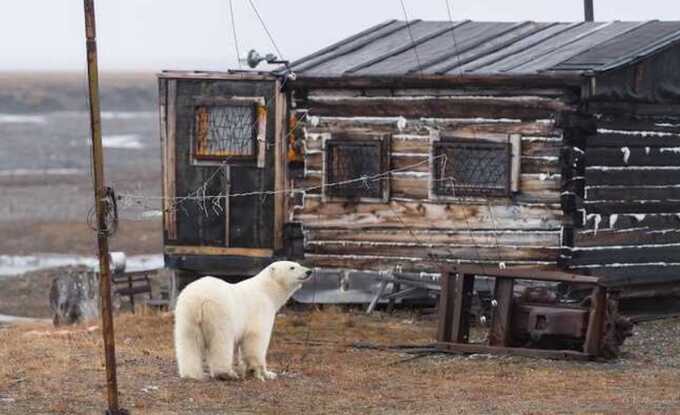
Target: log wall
414, 226
631, 207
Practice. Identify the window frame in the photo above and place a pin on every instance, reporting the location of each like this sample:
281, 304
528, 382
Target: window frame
511, 143
259, 130
380, 140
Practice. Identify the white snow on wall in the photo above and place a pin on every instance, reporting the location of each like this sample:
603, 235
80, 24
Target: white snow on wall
626, 154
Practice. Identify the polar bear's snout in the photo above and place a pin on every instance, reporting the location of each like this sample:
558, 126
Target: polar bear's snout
307, 275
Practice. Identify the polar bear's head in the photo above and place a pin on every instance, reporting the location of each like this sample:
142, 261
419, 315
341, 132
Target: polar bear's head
289, 274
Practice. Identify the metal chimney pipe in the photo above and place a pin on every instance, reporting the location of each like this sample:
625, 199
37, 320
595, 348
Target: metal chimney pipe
589, 11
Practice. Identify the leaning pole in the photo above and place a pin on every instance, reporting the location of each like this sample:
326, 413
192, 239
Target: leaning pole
101, 199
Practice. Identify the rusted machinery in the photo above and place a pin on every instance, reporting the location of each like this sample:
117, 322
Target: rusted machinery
535, 321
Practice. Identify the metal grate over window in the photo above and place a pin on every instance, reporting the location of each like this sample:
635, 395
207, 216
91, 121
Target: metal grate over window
225, 131
349, 160
471, 169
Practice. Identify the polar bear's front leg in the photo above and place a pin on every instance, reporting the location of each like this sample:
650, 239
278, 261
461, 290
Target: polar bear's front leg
255, 353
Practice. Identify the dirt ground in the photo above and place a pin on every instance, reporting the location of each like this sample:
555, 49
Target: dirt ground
47, 370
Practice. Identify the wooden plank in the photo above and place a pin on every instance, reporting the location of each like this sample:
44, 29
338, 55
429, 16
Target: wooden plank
427, 215
415, 249
420, 126
625, 275
414, 187
459, 107
634, 156
499, 333
627, 254
217, 250
636, 236
633, 140
411, 144
410, 162
535, 147
215, 75
407, 264
633, 177
280, 165
633, 193
446, 301
169, 211
516, 351
516, 154
531, 273
606, 207
598, 304
540, 165
464, 285
434, 236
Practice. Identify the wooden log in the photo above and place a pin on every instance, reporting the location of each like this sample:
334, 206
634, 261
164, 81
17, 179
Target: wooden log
617, 276
407, 264
545, 238
541, 165
635, 236
607, 207
540, 147
634, 193
410, 162
460, 107
427, 215
667, 253
423, 250
633, 177
634, 156
499, 334
627, 139
626, 221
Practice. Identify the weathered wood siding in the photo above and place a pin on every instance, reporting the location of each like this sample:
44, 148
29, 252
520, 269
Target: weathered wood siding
414, 225
631, 208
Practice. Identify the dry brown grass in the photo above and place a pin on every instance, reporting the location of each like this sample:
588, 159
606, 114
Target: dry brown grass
46, 370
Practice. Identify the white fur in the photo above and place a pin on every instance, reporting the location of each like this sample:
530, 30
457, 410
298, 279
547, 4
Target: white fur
215, 319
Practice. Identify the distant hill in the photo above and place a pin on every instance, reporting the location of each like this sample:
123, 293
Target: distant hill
31, 92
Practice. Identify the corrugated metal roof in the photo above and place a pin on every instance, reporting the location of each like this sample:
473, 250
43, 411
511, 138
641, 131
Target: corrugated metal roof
397, 48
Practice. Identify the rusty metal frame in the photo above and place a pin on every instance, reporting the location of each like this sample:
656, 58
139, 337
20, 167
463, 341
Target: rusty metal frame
455, 301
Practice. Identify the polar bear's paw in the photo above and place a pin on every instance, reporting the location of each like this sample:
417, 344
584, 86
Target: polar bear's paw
269, 375
227, 375
263, 374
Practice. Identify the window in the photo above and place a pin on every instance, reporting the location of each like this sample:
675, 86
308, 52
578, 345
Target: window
229, 128
349, 159
471, 168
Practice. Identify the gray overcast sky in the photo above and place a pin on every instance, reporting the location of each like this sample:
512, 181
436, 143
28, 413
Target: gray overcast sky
174, 34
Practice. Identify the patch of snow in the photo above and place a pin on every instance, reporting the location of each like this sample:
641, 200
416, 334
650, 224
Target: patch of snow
670, 150
17, 265
626, 154
597, 218
612, 220
122, 141
22, 119
639, 216
647, 150
313, 121
401, 123
640, 133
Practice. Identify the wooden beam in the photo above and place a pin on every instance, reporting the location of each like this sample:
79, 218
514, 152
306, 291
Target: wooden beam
169, 154
280, 165
517, 351
464, 284
446, 301
531, 273
216, 250
598, 306
499, 335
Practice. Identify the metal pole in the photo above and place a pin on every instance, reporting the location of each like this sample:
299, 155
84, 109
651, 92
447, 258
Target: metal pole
589, 10
100, 197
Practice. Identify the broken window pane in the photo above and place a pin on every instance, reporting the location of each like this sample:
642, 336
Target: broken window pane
471, 169
225, 131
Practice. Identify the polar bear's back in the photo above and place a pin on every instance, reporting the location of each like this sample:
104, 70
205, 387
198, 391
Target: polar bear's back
207, 291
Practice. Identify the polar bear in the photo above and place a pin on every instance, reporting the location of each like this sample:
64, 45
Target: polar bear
215, 318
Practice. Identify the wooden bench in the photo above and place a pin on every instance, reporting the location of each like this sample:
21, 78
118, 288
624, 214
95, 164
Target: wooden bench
129, 284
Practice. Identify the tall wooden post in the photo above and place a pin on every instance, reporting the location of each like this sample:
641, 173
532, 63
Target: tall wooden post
100, 197
588, 10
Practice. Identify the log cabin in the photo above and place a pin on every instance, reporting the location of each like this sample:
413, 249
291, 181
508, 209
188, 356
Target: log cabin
413, 144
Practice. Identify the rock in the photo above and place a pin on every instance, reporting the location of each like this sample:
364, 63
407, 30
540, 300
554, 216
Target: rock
74, 296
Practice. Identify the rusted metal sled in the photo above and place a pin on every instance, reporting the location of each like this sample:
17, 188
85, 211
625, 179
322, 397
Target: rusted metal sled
529, 324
